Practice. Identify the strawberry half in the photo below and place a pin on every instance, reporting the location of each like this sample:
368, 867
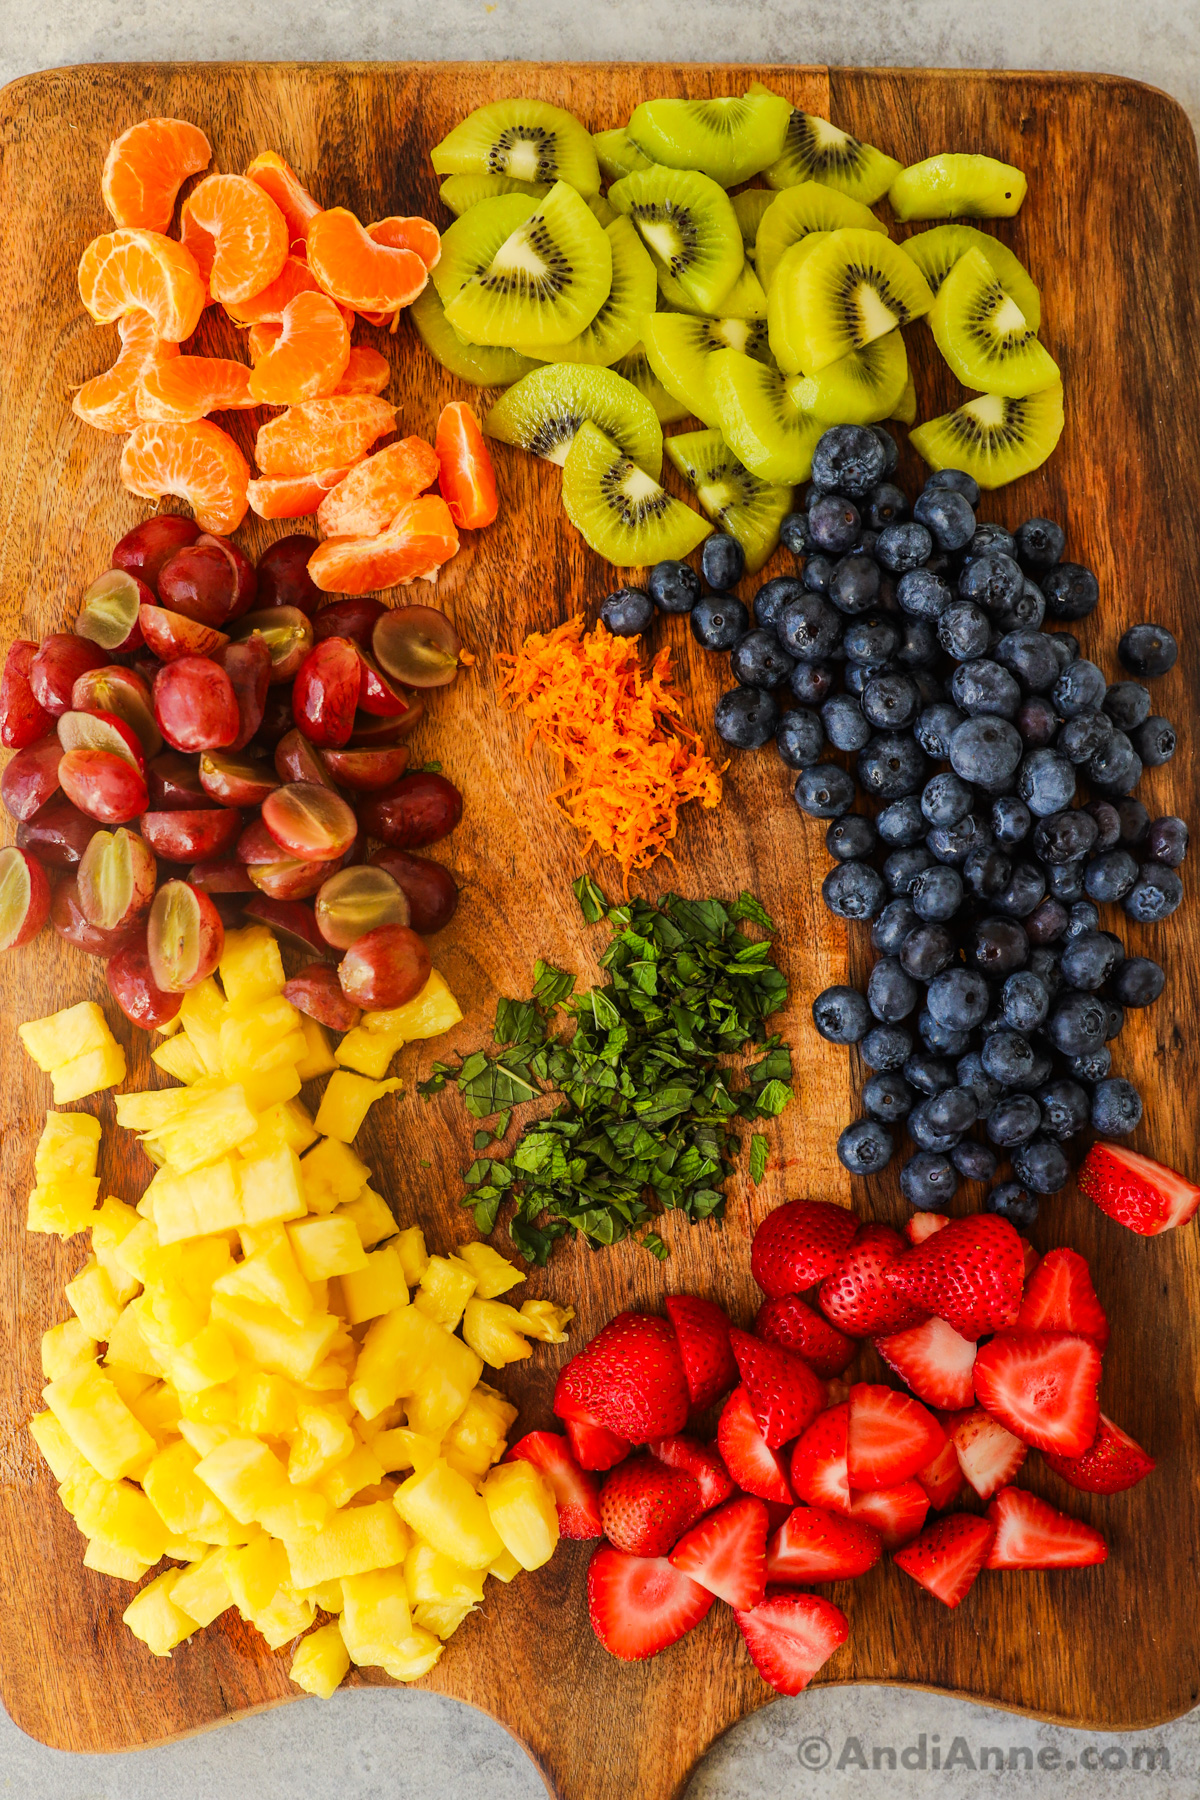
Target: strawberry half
793, 1325
891, 1436
1111, 1464
856, 1297
576, 1495
818, 1466
784, 1394
791, 1636
970, 1274
924, 1225
942, 1477
1135, 1191
814, 1544
645, 1507
631, 1378
934, 1361
799, 1244
640, 1605
593, 1446
986, 1453
896, 1513
1059, 1296
756, 1468
702, 1333
1033, 1535
1043, 1386
947, 1556
697, 1460
727, 1552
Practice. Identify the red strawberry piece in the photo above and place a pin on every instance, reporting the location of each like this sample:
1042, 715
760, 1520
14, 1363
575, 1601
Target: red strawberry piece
640, 1605
934, 1361
695, 1459
632, 1378
942, 1478
891, 1436
986, 1453
896, 1513
727, 1552
1111, 1464
1042, 1385
970, 1274
800, 1244
924, 1225
790, 1636
702, 1333
785, 1396
593, 1446
645, 1507
793, 1325
576, 1495
1135, 1191
856, 1297
948, 1555
1033, 1535
756, 1468
814, 1544
818, 1466
1059, 1296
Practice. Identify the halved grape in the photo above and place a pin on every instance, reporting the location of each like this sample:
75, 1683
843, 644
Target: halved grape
58, 834
53, 672
387, 967
195, 705
283, 577
22, 720
431, 889
256, 845
24, 897
185, 937
354, 618
291, 920
131, 984
355, 901
170, 635
124, 694
365, 771
309, 821
379, 734
298, 760
418, 646
102, 785
173, 781
31, 778
221, 875
185, 837
317, 991
377, 694
109, 614
248, 667
211, 581
288, 878
145, 549
417, 810
325, 692
116, 878
72, 923
287, 633
102, 731
233, 778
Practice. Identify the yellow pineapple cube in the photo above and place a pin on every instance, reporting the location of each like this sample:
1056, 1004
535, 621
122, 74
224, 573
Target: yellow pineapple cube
182, 1501
179, 1057
65, 1036
505, 1567
157, 1408
201, 1013
361, 1469
131, 1384
493, 1273
98, 1422
124, 1285
67, 1146
521, 1506
406, 1353
297, 1513
111, 1226
216, 1405
400, 1448
251, 967
318, 1052
88, 1074
110, 1559
272, 1189
117, 1512
127, 1346
65, 1347
93, 1300
244, 1474
264, 1037
331, 1174
63, 1208
198, 1204
284, 1617
444, 1290
368, 1052
266, 1336
320, 1663
153, 1108
204, 1439
153, 1616
430, 1014
66, 1464
377, 1288
285, 1125
442, 1507
255, 1573
322, 1439
371, 1217
216, 1123
326, 1247
137, 1250
272, 1087
345, 1103
333, 1374
415, 1657
546, 1321
375, 1618
429, 1575
414, 1258
208, 1360
441, 1619
326, 1596
478, 1436
202, 1591
271, 1277
494, 1332
266, 1404
352, 1541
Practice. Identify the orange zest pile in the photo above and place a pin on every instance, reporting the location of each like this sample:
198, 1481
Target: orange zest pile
630, 761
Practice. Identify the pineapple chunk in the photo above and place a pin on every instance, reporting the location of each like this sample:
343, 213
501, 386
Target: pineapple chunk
494, 1332
208, 1360
202, 1591
345, 1103
320, 1662
410, 1245
444, 1290
271, 1277
273, 1087
505, 1567
361, 1469
415, 1657
98, 1422
355, 1540
368, 1052
153, 1616
522, 1508
322, 1439
93, 1300
65, 1036
266, 1336
119, 1513
251, 968
442, 1507
179, 1057
493, 1273
198, 1204
326, 1596
216, 1122
184, 1504
131, 1384
137, 1250
89, 1074
266, 1404
297, 1513
215, 1405
371, 1216
400, 1448
111, 1226
378, 1287
67, 1146
375, 1616
201, 1013
432, 1012
405, 1353
65, 1462
431, 1576
263, 1038
331, 1174
127, 1346
286, 1125
63, 1208
546, 1321
272, 1188
110, 1559
255, 1573
439, 1618
284, 1617
325, 1247
65, 1347
478, 1436
245, 1475
157, 1407
318, 1056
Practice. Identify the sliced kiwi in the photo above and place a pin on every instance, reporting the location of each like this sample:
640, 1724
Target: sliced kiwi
461, 192
602, 211
544, 410
745, 299
472, 241
992, 438
617, 326
760, 422
622, 514
802, 209
729, 139
936, 251
783, 319
688, 223
957, 186
618, 155
815, 150
546, 281
859, 388
635, 368
679, 348
853, 288
750, 510
748, 209
529, 140
984, 335
484, 366
905, 409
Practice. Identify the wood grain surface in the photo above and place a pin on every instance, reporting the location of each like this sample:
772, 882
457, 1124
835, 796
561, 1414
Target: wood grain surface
1111, 231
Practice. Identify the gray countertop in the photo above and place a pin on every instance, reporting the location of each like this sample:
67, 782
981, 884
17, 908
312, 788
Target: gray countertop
833, 1743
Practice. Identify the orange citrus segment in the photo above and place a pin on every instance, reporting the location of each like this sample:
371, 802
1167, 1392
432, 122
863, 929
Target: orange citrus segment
146, 167
322, 433
237, 234
198, 463
134, 268
417, 542
293, 199
292, 496
294, 278
417, 235
309, 357
191, 387
367, 372
263, 339
353, 268
371, 495
109, 401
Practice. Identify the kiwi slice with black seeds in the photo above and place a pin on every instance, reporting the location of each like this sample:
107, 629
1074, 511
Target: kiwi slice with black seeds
936, 251
748, 509
984, 335
993, 438
482, 365
815, 150
859, 388
635, 368
687, 222
853, 288
957, 186
748, 208
760, 422
618, 155
801, 210
729, 139
461, 192
745, 299
543, 412
469, 245
622, 514
679, 347
529, 140
547, 280
617, 326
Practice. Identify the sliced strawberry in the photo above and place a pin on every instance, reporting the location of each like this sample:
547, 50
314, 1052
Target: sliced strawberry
784, 1394
640, 1605
948, 1555
924, 1225
1111, 1464
790, 1636
576, 1495
970, 1274
630, 1378
696, 1459
795, 1326
986, 1453
755, 1467
896, 1513
942, 1477
799, 1244
1135, 1191
856, 1297
814, 1544
934, 1361
818, 1466
1032, 1535
593, 1446
1042, 1385
727, 1552
1059, 1296
702, 1333
891, 1436
645, 1507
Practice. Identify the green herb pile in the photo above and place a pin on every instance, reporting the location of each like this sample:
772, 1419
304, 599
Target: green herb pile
648, 1106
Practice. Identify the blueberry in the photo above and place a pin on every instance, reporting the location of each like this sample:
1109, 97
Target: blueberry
1013, 1120
903, 547
865, 1147
818, 573
808, 628
948, 516
854, 586
1091, 1067
1044, 963
886, 505
844, 724
1154, 741
854, 890
628, 612
1064, 881
926, 951
937, 893
918, 645
1010, 1201
1109, 876
935, 727
958, 481
1026, 889
1064, 837
1147, 650
890, 702
1080, 688
1138, 981
1008, 1056
1028, 610
1040, 543
924, 1133
974, 1162
759, 660
893, 926
1116, 1022
718, 621
799, 738
841, 1015
958, 999
773, 596
986, 751
857, 674
928, 1182
1078, 1024
722, 562
957, 844
1064, 1107
1028, 656
674, 587
833, 524
922, 594
992, 579
1116, 1107
929, 1074
1064, 645
823, 791
811, 682
1167, 842
1127, 704
1154, 895
1046, 782
872, 637
1135, 822
887, 1096
891, 766
999, 946
964, 630
1047, 922
1087, 735
1037, 722
982, 686
1011, 819
902, 823
886, 1047
891, 994
1083, 917
1071, 591
1108, 824
891, 450
1024, 1001
793, 534
1041, 1166
1117, 767
851, 838
941, 1040
849, 459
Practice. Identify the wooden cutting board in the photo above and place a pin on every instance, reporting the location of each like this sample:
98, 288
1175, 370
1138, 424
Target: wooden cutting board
1111, 231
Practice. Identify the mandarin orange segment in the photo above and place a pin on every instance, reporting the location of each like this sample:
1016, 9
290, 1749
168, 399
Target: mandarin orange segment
414, 234
371, 495
110, 401
417, 542
146, 167
320, 434
466, 477
198, 463
310, 356
367, 372
237, 234
292, 496
191, 387
263, 339
292, 198
294, 278
131, 268
353, 268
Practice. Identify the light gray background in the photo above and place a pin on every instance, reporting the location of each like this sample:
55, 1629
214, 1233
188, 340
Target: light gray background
364, 1745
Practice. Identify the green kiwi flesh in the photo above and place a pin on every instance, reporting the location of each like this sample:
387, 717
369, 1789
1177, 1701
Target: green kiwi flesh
745, 299
748, 208
636, 369
529, 140
481, 365
469, 245
802, 209
602, 212
783, 319
547, 280
936, 251
678, 348
618, 155
617, 326
815, 150
859, 388
622, 514
543, 412
956, 186
992, 438
852, 289
687, 222
905, 409
727, 139
748, 509
765, 430
983, 334
461, 192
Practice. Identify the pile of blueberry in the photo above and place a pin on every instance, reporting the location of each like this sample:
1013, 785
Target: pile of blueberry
907, 642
